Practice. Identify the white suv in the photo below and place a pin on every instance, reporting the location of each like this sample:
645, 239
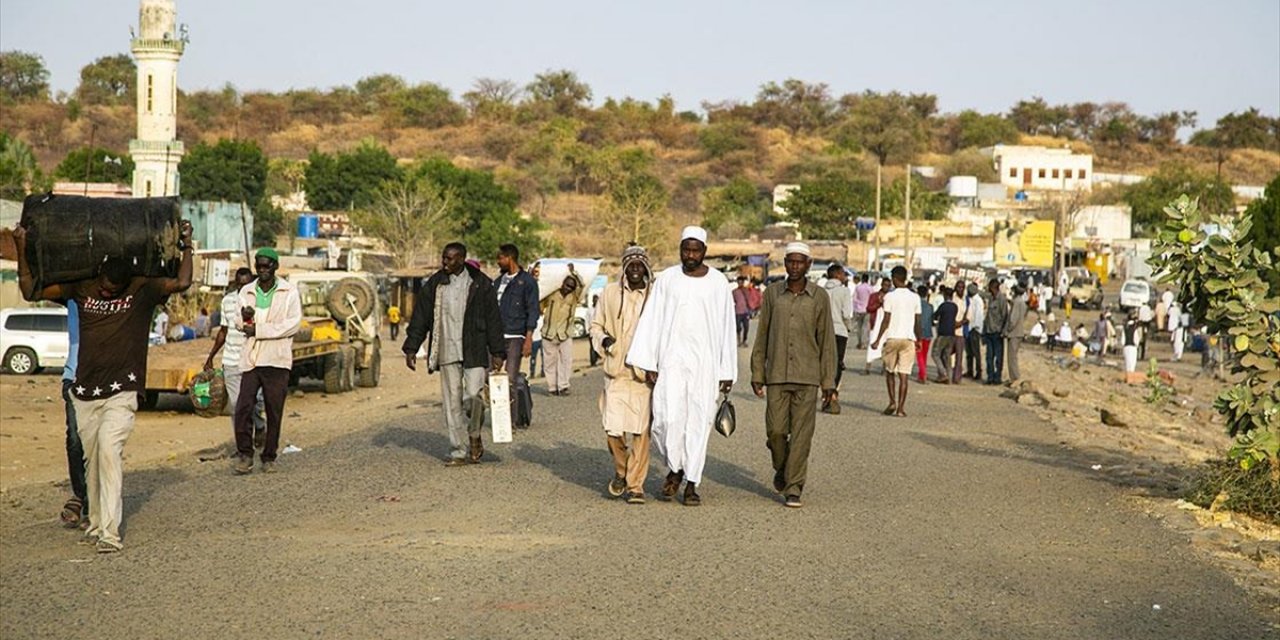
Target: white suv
33, 338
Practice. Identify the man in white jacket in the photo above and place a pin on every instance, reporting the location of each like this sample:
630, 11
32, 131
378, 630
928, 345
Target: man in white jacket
837, 288
270, 314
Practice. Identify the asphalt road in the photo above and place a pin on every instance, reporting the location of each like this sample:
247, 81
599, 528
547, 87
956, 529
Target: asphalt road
965, 520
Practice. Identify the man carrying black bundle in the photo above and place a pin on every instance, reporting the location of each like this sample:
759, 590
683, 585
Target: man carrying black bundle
114, 309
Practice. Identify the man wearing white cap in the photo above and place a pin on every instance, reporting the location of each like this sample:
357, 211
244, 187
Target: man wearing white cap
794, 356
686, 342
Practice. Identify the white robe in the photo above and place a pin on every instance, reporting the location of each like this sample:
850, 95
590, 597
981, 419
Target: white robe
687, 335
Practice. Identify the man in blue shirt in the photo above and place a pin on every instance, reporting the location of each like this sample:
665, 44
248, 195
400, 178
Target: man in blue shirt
518, 306
76, 511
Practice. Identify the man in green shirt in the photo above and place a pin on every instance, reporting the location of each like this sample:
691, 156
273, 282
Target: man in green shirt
794, 356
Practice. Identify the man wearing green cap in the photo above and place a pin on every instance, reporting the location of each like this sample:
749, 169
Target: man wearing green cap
270, 314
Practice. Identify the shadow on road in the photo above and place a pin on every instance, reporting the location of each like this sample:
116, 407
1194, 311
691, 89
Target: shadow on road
1154, 478
738, 477
426, 442
587, 468
139, 486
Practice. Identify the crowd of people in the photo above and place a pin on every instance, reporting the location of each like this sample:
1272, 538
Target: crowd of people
667, 343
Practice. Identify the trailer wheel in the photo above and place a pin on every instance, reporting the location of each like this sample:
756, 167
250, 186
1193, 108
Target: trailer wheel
369, 375
333, 367
364, 297
147, 400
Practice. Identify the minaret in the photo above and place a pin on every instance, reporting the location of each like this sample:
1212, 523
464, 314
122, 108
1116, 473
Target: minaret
156, 152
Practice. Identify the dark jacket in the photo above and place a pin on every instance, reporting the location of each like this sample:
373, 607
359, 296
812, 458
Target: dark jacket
482, 330
519, 305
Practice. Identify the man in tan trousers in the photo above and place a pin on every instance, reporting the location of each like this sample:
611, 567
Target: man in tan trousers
624, 404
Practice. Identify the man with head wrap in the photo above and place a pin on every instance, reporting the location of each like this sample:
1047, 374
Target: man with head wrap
686, 344
624, 404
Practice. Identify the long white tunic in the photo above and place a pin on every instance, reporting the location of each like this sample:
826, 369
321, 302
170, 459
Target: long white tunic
687, 335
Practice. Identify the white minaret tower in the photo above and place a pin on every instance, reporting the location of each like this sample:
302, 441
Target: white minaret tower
157, 46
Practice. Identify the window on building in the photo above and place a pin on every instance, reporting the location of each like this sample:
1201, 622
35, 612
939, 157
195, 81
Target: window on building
1067, 174
150, 91
148, 189
1013, 172
1082, 174
1042, 173
1055, 174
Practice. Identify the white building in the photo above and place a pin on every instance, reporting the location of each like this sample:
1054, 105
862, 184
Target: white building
156, 152
1041, 168
1107, 223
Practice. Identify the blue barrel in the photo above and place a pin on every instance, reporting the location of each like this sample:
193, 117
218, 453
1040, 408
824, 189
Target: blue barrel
308, 225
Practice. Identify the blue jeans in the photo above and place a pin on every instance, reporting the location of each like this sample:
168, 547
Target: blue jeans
75, 450
995, 355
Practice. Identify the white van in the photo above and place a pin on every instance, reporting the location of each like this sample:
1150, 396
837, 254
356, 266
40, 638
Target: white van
33, 338
1136, 293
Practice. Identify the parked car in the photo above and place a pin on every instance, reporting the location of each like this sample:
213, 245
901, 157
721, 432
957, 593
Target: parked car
31, 339
1086, 293
1137, 293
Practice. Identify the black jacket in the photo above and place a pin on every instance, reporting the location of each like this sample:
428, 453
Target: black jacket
519, 305
482, 324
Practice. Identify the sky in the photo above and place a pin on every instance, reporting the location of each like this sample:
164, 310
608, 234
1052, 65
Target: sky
1157, 55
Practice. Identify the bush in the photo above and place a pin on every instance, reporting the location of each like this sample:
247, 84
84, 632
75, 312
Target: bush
1248, 491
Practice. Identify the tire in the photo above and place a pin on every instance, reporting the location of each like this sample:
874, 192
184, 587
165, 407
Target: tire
361, 292
147, 400
370, 375
22, 361
579, 329
333, 367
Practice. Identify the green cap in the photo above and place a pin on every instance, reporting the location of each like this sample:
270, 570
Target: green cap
268, 252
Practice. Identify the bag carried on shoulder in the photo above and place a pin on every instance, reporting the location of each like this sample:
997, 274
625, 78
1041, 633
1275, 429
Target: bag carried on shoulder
726, 418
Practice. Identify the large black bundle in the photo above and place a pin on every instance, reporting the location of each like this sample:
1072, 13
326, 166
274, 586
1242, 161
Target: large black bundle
69, 236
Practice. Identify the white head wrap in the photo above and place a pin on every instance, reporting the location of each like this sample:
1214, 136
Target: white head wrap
695, 233
797, 247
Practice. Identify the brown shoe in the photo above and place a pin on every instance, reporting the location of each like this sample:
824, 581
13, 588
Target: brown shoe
671, 486
635, 497
617, 486
455, 462
691, 497
477, 451
243, 465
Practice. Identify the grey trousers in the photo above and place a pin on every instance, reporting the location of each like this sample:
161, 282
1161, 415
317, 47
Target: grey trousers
463, 405
1011, 357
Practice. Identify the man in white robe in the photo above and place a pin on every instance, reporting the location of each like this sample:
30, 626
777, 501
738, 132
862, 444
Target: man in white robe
686, 342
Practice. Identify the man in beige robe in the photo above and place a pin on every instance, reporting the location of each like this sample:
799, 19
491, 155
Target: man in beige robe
624, 404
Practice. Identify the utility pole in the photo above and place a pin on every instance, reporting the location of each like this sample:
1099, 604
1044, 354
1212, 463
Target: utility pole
906, 234
1060, 232
876, 261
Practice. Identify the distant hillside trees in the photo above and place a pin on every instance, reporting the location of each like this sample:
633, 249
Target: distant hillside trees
23, 77
108, 80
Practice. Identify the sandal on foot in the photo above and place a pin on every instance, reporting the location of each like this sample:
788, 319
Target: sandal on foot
71, 512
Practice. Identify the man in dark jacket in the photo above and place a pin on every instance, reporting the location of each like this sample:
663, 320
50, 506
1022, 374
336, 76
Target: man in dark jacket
458, 310
518, 305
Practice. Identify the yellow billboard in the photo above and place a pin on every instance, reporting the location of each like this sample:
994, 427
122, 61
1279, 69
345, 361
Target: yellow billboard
1024, 244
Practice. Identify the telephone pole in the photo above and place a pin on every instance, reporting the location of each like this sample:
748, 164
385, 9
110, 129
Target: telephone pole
906, 234
876, 261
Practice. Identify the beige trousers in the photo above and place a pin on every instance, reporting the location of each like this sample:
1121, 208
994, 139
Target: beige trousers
557, 356
631, 459
104, 427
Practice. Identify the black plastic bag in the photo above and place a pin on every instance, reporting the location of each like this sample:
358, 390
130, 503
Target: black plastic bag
726, 417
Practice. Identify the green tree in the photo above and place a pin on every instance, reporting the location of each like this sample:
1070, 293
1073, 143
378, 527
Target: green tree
229, 170
19, 172
1250, 129
970, 162
374, 91
973, 129
348, 180
1030, 116
102, 165
826, 208
889, 126
559, 91
794, 105
720, 139
411, 216
1150, 197
23, 77
108, 80
737, 206
426, 105
485, 211
1265, 213
925, 204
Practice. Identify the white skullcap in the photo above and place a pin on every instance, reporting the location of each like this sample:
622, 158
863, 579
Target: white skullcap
695, 233
797, 247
